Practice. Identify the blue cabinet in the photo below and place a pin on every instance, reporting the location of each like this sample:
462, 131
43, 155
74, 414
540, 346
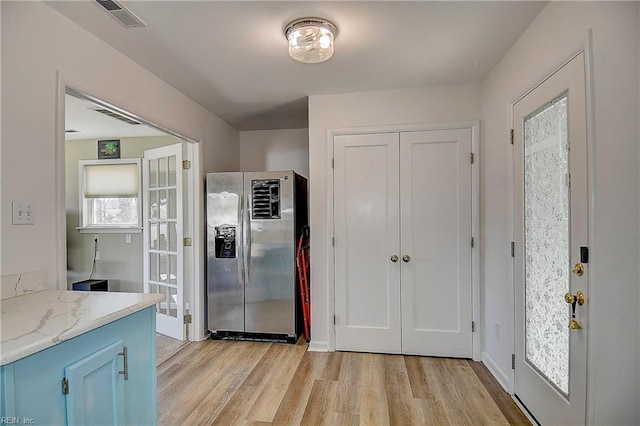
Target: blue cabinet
95, 387
91, 369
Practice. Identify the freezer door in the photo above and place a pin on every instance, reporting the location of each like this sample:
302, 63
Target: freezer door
225, 284
269, 264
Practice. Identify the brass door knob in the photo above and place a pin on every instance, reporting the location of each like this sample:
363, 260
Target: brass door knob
406, 258
578, 269
394, 258
575, 298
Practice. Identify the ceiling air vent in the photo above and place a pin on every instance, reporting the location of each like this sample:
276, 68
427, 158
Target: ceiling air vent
72, 131
116, 116
123, 15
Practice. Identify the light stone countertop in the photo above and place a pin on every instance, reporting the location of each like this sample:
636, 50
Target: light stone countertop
40, 320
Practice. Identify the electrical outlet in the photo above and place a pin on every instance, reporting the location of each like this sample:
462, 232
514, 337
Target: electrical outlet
96, 238
496, 327
127, 238
97, 256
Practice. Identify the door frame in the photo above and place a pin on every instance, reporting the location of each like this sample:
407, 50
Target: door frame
587, 49
194, 293
474, 125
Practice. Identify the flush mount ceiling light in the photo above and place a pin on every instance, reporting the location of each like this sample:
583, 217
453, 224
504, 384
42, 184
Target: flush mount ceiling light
310, 39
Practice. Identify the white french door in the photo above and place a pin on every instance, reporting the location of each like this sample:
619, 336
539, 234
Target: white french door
163, 236
402, 218
550, 227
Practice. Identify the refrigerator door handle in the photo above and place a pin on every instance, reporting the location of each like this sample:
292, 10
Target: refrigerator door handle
247, 231
240, 239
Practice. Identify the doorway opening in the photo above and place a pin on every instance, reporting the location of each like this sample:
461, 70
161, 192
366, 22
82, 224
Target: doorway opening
104, 233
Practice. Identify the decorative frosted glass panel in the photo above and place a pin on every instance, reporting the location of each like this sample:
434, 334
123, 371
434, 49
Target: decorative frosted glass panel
547, 249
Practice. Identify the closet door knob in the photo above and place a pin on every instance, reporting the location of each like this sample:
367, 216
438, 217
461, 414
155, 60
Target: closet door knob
406, 258
394, 258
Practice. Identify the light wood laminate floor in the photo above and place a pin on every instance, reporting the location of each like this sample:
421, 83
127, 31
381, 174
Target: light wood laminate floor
251, 383
166, 347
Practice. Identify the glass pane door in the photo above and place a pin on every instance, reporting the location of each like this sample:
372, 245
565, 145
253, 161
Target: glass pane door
163, 235
550, 228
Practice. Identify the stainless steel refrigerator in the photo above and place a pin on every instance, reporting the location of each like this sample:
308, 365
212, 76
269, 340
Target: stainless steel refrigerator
253, 222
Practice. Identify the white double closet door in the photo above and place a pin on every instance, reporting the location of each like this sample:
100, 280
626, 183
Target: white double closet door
403, 223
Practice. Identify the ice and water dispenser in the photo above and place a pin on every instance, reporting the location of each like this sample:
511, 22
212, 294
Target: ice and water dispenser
225, 241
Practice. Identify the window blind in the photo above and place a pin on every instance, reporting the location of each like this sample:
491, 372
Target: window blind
111, 180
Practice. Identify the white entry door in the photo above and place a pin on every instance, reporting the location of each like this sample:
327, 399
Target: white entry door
550, 218
367, 230
435, 205
163, 236
402, 218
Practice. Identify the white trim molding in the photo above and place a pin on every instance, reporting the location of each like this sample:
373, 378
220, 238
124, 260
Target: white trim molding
315, 346
501, 377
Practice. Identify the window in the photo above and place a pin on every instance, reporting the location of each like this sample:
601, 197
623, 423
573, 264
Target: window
110, 197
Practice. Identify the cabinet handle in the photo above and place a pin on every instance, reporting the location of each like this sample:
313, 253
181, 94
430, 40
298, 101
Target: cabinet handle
125, 355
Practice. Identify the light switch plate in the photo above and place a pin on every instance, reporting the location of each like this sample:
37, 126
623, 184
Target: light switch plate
22, 214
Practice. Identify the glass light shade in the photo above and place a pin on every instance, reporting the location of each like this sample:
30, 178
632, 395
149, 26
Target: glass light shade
310, 40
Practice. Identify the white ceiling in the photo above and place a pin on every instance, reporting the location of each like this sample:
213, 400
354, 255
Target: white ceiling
231, 56
80, 115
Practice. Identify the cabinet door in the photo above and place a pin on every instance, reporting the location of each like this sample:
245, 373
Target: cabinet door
435, 204
367, 237
96, 389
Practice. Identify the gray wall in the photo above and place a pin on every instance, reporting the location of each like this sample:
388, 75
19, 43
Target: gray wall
120, 262
273, 150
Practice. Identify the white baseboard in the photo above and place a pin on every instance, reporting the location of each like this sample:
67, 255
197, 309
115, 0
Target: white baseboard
315, 346
499, 375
